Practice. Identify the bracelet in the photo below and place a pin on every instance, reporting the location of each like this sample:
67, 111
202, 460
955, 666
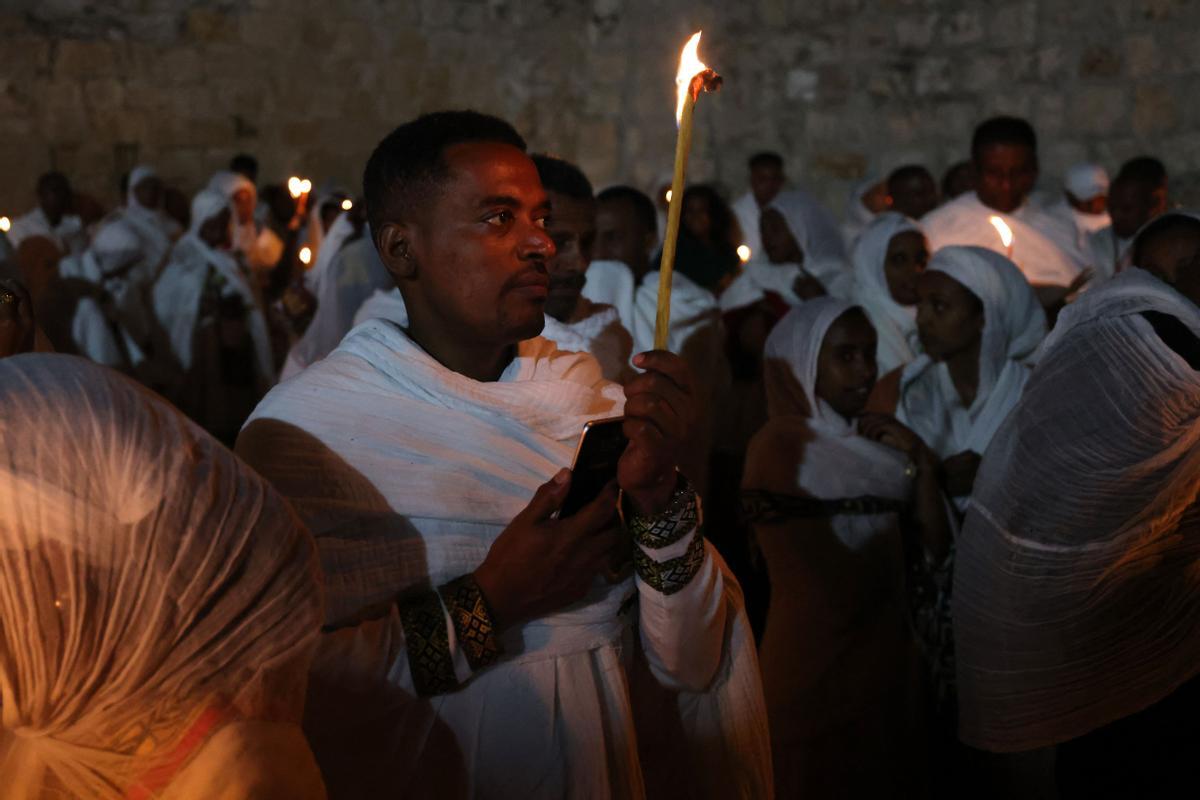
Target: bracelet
473, 621
427, 643
682, 514
669, 577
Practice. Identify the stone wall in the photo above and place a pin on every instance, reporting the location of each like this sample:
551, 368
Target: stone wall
841, 87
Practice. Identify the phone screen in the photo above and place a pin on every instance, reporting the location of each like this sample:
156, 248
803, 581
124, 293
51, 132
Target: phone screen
600, 447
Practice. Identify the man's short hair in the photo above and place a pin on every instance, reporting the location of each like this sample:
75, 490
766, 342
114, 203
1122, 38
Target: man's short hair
1160, 226
643, 206
53, 180
906, 173
408, 165
1145, 171
558, 175
244, 164
1003, 130
766, 158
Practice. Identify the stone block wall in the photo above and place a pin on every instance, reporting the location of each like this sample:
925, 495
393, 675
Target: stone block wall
843, 88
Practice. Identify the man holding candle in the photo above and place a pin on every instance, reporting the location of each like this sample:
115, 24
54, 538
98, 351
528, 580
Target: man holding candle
478, 645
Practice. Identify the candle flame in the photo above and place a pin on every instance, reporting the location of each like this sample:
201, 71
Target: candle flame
1006, 234
347, 205
305, 186
5, 224
744, 253
669, 193
305, 255
690, 66
294, 186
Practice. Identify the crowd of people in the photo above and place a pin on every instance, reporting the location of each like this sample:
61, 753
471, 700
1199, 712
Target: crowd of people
908, 506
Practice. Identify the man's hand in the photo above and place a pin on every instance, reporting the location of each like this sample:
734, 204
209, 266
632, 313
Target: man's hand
960, 473
538, 564
660, 414
17, 328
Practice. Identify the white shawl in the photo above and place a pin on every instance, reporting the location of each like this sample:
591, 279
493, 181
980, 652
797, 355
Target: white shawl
406, 472
748, 214
601, 334
383, 304
1076, 591
68, 236
154, 230
756, 279
610, 283
895, 324
341, 231
824, 258
179, 289
1014, 325
149, 578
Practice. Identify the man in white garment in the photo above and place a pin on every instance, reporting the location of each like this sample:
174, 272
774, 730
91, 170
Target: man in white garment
477, 644
574, 322
1005, 162
1138, 194
767, 180
52, 219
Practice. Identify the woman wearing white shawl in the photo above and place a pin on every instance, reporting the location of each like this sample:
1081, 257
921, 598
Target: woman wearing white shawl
867, 199
829, 495
980, 353
822, 259
257, 244
143, 217
202, 294
161, 602
1076, 593
886, 265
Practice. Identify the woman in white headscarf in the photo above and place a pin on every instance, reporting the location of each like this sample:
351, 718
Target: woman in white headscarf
214, 319
1077, 604
161, 602
824, 255
980, 324
256, 244
890, 255
835, 499
145, 220
867, 198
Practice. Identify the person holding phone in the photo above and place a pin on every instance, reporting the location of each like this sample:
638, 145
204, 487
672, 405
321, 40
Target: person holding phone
478, 643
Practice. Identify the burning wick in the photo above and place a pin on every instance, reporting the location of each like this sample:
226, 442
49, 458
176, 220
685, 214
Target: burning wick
5, 224
692, 78
306, 255
347, 205
1006, 234
744, 253
297, 187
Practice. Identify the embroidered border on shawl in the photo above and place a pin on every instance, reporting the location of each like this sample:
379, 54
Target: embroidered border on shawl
669, 577
428, 644
473, 621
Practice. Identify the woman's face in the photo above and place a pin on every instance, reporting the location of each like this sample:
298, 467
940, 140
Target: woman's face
697, 218
243, 201
781, 247
949, 317
846, 369
907, 255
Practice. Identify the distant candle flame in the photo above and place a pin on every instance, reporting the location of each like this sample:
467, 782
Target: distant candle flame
743, 253
1006, 234
347, 205
305, 255
305, 186
690, 66
669, 195
5, 224
297, 187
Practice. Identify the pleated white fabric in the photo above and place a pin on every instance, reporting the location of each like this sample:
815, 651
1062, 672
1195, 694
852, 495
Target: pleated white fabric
1076, 596
600, 334
156, 593
896, 325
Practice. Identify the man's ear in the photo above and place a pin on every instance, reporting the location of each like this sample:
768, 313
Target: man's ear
395, 243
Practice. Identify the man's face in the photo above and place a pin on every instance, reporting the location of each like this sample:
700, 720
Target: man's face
1005, 175
572, 227
481, 247
1130, 205
54, 197
620, 236
915, 196
766, 181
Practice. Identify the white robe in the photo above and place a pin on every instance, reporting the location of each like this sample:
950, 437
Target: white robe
758, 278
1042, 246
68, 235
748, 214
895, 325
610, 283
406, 472
601, 334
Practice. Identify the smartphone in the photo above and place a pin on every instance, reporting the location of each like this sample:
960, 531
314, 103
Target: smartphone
595, 464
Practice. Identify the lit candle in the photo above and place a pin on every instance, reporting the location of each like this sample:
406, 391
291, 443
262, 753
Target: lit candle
347, 204
306, 255
297, 186
692, 78
1006, 234
744, 253
5, 224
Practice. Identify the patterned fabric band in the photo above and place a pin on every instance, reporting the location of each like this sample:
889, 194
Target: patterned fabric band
675, 574
771, 507
680, 516
428, 644
473, 621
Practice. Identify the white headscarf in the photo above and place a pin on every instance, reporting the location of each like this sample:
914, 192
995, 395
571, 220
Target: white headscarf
858, 216
1076, 597
834, 462
155, 588
823, 258
895, 324
1014, 325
